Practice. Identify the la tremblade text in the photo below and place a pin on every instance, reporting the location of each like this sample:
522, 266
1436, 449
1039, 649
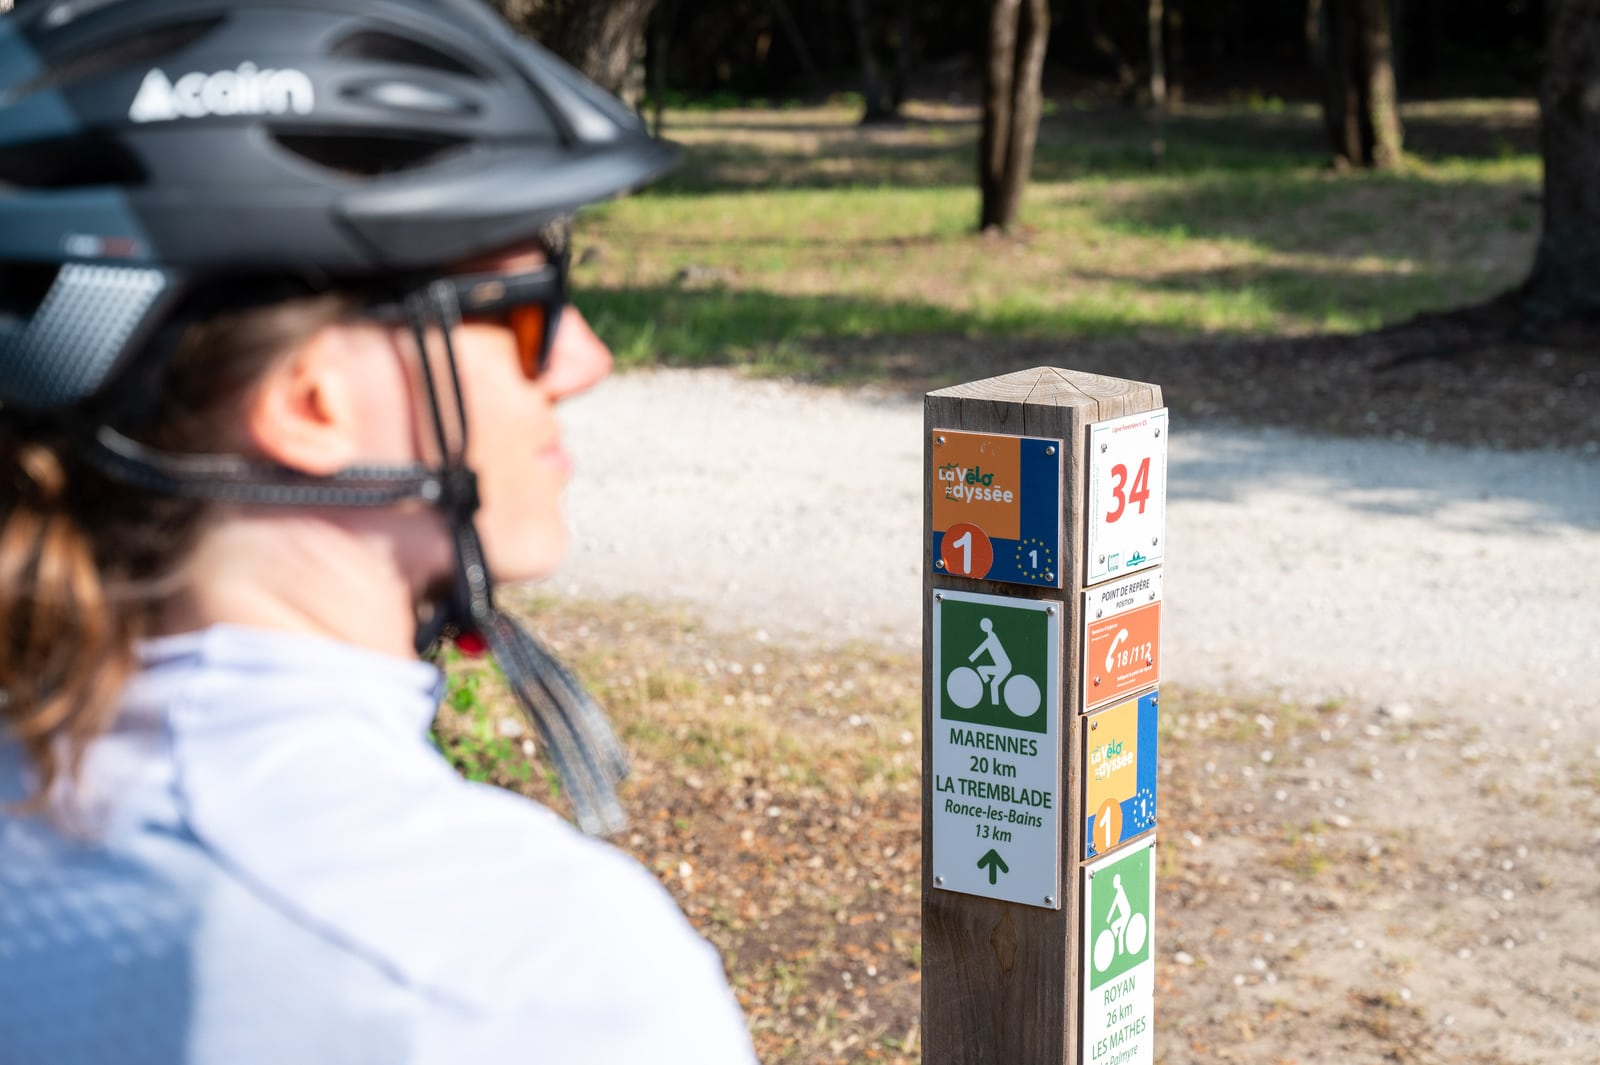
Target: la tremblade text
993, 790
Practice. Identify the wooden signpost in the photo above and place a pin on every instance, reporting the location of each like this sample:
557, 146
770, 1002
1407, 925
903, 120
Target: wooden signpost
1045, 516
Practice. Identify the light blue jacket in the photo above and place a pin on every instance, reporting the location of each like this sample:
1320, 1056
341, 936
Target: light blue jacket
274, 865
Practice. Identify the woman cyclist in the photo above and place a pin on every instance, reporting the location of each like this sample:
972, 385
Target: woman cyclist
281, 336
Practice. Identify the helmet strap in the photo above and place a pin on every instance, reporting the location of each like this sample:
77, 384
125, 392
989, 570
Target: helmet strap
573, 729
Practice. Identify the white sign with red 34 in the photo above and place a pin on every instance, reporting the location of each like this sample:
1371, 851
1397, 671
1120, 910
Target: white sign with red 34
1127, 515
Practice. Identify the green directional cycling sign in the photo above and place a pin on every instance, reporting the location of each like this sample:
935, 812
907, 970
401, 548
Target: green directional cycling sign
996, 747
1118, 974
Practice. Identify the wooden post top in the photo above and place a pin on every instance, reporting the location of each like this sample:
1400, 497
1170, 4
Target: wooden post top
1098, 397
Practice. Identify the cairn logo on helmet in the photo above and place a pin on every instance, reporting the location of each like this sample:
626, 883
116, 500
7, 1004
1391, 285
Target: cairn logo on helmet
248, 90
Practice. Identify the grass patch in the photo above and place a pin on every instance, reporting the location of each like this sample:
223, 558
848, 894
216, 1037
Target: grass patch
791, 230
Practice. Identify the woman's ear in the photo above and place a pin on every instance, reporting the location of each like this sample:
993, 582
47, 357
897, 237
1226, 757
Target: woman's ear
304, 413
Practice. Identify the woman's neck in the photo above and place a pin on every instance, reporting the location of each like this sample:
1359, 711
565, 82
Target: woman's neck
339, 576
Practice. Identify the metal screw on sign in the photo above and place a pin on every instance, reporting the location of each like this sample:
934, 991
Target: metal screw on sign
1049, 610
1158, 430
1154, 540
1097, 684
938, 563
938, 881
1049, 900
1099, 613
938, 597
1091, 874
1049, 575
1102, 560
1104, 448
939, 440
1050, 450
1149, 661
1094, 724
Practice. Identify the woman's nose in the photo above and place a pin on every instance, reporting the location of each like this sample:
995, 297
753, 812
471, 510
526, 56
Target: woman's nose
578, 358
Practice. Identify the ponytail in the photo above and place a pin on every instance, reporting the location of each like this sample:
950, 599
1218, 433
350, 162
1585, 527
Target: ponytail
64, 655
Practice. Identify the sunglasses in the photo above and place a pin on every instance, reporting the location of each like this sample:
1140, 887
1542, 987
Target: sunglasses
529, 304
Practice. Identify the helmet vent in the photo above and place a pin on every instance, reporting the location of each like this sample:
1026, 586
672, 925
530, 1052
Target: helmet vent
388, 48
69, 164
23, 287
136, 50
368, 156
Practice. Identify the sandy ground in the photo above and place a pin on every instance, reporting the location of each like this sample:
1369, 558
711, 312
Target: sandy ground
1446, 579
1381, 794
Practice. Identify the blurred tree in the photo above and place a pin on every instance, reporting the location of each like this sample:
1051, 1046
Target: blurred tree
880, 108
1173, 39
1158, 59
1013, 70
796, 39
603, 38
1106, 44
905, 45
1156, 29
1565, 279
1359, 102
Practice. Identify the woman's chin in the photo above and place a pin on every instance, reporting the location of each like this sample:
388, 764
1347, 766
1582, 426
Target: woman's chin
531, 558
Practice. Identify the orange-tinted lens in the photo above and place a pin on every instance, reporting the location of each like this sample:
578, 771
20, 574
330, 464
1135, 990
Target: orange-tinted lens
529, 323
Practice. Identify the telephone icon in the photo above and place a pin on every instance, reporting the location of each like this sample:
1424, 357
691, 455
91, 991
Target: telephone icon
1111, 652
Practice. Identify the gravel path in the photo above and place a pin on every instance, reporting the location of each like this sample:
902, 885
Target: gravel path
1462, 582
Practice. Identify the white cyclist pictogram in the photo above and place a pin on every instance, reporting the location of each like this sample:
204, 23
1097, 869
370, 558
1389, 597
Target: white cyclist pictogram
965, 684
1127, 931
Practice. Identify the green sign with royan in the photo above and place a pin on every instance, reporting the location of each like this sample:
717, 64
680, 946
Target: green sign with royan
1119, 922
1118, 1012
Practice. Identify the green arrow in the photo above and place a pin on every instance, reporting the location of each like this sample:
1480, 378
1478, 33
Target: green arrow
996, 864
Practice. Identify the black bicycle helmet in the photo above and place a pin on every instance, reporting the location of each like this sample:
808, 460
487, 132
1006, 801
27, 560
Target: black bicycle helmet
147, 144
150, 149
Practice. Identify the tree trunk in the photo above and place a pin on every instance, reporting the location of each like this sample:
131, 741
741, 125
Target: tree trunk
904, 52
661, 25
1174, 42
1127, 76
1565, 279
1356, 60
1158, 59
1382, 110
796, 39
1156, 25
1012, 101
605, 39
878, 108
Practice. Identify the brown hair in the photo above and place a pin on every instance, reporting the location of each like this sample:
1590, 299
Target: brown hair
87, 564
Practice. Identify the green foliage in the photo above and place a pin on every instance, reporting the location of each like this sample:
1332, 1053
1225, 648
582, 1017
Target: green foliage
790, 232
468, 732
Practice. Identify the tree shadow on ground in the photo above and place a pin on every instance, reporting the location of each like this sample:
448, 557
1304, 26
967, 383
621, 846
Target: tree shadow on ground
1438, 380
749, 150
1445, 379
1399, 216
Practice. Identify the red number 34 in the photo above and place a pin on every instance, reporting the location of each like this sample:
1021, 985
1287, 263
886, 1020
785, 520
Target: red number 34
1138, 496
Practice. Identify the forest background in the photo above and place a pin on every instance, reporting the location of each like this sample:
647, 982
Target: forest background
1260, 201
1343, 217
